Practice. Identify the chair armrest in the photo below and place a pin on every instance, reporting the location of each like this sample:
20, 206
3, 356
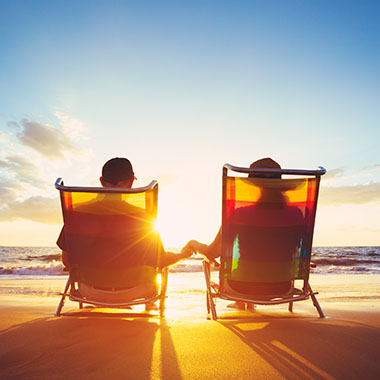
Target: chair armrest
210, 261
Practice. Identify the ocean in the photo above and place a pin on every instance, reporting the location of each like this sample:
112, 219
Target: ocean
41, 262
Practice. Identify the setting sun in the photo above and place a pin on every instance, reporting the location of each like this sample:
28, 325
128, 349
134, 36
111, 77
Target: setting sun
178, 89
173, 228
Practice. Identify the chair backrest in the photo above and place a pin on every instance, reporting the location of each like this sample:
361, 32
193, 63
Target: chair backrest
267, 229
109, 234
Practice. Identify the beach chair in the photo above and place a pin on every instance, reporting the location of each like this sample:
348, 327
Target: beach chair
266, 237
113, 251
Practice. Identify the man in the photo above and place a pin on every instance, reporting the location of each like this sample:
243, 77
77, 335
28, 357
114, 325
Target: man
110, 248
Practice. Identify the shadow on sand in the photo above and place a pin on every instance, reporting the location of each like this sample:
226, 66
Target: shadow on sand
97, 345
299, 347
89, 344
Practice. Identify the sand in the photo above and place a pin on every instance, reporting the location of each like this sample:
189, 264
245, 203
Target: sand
269, 343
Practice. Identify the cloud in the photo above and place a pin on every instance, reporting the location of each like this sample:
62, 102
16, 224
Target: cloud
50, 141
72, 126
358, 194
13, 125
21, 169
371, 167
8, 191
37, 208
333, 173
26, 175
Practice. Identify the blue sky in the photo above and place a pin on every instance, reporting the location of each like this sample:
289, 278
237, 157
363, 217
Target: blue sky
181, 88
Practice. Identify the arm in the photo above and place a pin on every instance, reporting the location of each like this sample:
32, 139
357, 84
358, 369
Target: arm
65, 260
211, 251
61, 242
170, 258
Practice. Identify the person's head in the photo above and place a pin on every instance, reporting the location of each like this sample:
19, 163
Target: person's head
265, 163
117, 172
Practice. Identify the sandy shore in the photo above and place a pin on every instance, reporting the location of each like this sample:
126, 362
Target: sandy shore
269, 343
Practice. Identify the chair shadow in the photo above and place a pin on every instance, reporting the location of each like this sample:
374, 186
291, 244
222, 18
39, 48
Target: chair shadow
306, 347
89, 345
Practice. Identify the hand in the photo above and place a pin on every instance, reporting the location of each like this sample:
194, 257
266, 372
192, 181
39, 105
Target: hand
187, 250
196, 246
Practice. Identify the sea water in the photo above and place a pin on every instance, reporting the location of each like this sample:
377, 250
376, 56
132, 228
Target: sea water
46, 261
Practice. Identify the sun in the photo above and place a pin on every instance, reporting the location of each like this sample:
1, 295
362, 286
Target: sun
174, 225
156, 226
183, 216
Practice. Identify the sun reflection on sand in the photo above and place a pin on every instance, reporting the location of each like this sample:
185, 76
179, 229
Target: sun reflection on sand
252, 326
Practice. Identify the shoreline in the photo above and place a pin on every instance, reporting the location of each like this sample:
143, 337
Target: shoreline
189, 287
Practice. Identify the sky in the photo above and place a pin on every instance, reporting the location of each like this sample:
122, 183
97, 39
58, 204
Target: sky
180, 88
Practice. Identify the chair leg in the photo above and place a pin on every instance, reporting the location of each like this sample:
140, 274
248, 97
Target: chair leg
315, 302
164, 283
207, 303
213, 308
162, 308
290, 308
207, 280
62, 301
210, 298
80, 305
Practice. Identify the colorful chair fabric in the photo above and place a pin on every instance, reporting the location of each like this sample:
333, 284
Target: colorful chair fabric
267, 233
113, 252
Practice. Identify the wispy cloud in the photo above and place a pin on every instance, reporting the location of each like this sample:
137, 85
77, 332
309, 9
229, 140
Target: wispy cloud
15, 204
333, 173
371, 167
37, 208
32, 208
30, 152
358, 194
72, 126
8, 191
50, 141
20, 169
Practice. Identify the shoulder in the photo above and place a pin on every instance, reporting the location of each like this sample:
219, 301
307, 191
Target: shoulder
109, 206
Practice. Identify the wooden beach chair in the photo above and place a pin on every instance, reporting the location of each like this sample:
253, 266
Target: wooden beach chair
111, 246
266, 238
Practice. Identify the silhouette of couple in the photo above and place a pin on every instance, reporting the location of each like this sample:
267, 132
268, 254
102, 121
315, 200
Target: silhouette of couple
118, 173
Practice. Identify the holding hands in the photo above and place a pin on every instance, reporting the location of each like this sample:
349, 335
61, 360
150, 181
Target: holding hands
187, 251
209, 252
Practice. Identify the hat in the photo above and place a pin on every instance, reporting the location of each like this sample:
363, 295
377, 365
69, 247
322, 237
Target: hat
265, 163
269, 180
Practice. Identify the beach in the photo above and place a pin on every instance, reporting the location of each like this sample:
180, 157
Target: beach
241, 131
268, 343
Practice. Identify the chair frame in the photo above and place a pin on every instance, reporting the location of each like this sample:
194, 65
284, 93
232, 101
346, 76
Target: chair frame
212, 289
70, 290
